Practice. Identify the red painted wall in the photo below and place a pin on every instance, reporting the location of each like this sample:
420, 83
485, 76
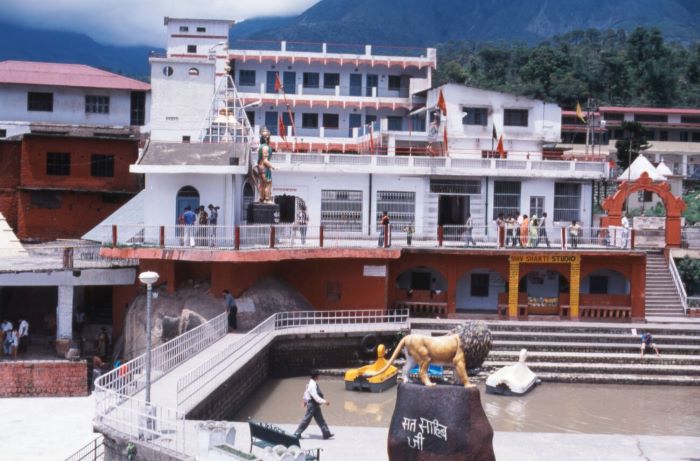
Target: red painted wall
43, 379
10, 152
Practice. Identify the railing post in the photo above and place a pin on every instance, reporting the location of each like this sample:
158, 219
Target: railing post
440, 235
320, 236
386, 235
272, 236
114, 235
501, 236
632, 234
68, 258
237, 238
563, 238
161, 240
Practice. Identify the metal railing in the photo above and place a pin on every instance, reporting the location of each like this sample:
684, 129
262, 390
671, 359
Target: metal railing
93, 451
690, 237
115, 401
191, 384
475, 236
678, 282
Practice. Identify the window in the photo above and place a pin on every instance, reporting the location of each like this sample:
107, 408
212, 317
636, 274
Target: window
3, 133
536, 206
689, 119
394, 82
401, 207
201, 29
614, 117
394, 123
647, 196
663, 135
184, 29
186, 139
271, 122
251, 117
515, 117
102, 165
311, 80
42, 102
475, 116
650, 118
479, 286
341, 210
191, 48
331, 80
96, 104
598, 285
331, 121
567, 200
193, 72
167, 71
506, 198
309, 120
138, 108
696, 137
246, 77
58, 163
50, 200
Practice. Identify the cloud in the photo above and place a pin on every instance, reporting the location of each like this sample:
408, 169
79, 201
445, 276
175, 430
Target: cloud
136, 22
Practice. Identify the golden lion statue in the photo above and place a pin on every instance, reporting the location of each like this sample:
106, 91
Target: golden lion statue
423, 350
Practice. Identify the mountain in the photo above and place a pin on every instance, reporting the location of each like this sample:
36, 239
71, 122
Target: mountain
27, 44
427, 23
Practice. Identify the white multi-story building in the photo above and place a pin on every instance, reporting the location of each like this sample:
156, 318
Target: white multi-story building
363, 135
68, 94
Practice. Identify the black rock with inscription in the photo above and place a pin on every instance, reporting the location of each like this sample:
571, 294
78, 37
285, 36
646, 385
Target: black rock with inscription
439, 423
263, 213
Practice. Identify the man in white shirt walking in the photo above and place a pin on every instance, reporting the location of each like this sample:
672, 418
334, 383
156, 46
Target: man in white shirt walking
313, 399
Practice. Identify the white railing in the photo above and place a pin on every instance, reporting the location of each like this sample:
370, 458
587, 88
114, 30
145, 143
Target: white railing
192, 384
690, 237
678, 282
476, 236
115, 401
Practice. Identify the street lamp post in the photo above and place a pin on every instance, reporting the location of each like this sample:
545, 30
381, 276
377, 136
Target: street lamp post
148, 278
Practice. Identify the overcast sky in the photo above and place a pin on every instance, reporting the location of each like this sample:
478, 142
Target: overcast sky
136, 22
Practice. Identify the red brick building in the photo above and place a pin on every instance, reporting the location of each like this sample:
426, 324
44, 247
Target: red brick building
60, 182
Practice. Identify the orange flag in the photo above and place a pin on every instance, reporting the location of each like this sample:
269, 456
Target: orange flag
278, 83
281, 130
371, 139
441, 103
500, 148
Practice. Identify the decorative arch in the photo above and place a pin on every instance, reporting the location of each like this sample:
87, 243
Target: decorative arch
675, 206
427, 279
186, 196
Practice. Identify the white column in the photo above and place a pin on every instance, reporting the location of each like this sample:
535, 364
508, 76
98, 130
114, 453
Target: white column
684, 165
392, 146
64, 313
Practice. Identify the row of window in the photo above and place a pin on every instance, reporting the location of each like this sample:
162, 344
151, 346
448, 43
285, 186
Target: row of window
567, 201
200, 29
330, 121
94, 104
480, 116
313, 80
650, 118
58, 164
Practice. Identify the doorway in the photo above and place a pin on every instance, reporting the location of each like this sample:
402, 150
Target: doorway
287, 204
453, 210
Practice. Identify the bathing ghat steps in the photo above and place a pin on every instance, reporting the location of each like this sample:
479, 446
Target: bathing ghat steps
593, 353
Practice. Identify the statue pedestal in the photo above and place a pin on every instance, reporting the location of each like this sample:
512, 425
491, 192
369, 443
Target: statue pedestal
263, 213
442, 423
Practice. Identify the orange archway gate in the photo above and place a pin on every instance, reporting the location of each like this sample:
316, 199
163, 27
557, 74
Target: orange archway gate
675, 206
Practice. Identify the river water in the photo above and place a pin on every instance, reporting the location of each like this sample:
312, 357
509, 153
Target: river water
551, 407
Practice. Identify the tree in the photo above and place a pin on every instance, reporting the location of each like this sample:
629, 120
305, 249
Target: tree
634, 142
689, 270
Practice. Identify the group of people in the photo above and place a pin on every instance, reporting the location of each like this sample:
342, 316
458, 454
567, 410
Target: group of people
198, 227
519, 230
14, 340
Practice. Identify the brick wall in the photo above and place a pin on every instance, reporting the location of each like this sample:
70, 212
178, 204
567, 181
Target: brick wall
43, 378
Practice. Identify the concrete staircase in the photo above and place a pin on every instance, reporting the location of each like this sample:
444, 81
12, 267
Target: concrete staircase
589, 352
661, 296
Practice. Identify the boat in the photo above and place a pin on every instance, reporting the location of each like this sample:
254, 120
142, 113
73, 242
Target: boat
513, 380
356, 379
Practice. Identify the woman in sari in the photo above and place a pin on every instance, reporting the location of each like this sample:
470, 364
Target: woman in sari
524, 231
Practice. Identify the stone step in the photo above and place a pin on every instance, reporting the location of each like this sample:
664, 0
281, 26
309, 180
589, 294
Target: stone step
592, 347
510, 357
626, 338
647, 365
619, 379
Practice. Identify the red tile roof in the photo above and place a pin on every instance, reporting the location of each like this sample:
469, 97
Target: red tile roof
72, 75
650, 110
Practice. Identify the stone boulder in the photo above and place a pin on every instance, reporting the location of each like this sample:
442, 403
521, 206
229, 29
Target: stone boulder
441, 423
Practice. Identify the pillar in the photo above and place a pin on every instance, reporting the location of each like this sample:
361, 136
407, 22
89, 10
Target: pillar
64, 319
513, 282
574, 287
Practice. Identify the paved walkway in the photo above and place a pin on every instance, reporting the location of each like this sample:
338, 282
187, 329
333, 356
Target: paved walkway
369, 444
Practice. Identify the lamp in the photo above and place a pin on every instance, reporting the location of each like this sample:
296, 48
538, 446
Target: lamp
148, 278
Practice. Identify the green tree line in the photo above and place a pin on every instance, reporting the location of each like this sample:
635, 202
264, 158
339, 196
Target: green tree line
613, 66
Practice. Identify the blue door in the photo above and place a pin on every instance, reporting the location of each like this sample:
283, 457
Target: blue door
355, 84
290, 82
271, 122
270, 81
372, 82
187, 196
355, 122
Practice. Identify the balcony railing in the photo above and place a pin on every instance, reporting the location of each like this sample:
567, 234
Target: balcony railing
252, 46
294, 236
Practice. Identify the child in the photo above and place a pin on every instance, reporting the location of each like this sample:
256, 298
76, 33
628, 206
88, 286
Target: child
648, 341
